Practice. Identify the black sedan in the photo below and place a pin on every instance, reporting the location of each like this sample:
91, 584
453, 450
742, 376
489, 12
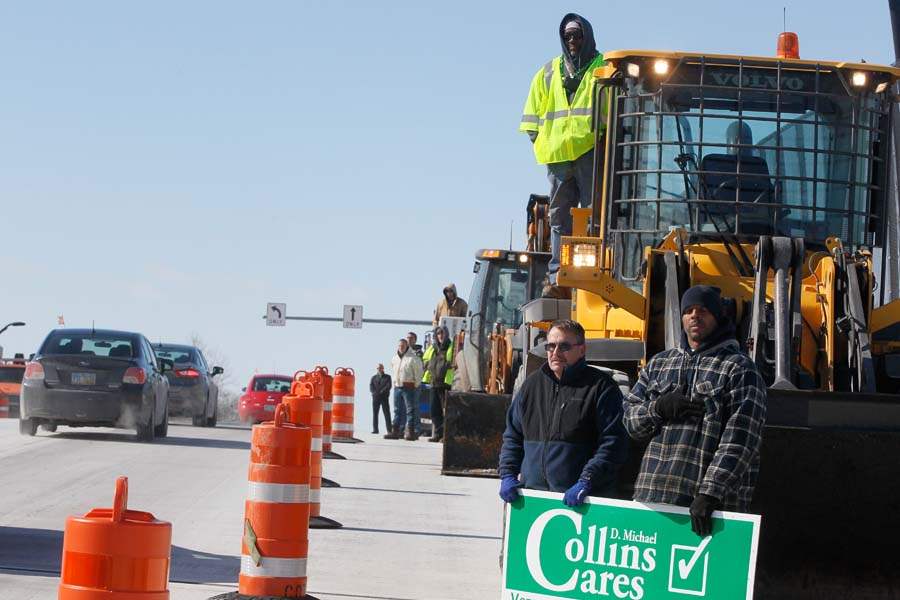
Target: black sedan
95, 378
192, 390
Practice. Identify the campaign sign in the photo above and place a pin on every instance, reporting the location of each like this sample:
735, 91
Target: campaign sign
617, 549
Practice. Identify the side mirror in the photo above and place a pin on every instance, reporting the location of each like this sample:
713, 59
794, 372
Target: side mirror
243, 389
166, 364
217, 371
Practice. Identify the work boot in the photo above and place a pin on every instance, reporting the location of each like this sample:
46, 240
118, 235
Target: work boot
556, 292
392, 435
436, 438
410, 435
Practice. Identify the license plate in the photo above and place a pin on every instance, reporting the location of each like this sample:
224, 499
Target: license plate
84, 378
269, 408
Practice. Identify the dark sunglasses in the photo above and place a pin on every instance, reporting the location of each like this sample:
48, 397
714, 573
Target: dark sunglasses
572, 35
562, 347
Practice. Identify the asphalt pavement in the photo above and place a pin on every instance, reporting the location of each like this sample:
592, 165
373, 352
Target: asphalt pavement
408, 532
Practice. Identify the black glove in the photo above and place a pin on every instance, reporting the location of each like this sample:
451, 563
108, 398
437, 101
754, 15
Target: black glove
701, 514
673, 406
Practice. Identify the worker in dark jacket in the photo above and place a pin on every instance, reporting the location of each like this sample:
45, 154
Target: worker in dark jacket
702, 407
564, 428
380, 387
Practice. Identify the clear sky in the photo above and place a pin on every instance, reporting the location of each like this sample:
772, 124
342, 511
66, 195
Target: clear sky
170, 167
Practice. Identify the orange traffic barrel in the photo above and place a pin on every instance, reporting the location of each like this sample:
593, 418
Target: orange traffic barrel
275, 545
343, 393
305, 408
116, 554
4, 406
323, 383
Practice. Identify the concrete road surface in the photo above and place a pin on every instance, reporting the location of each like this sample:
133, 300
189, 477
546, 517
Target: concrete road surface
408, 532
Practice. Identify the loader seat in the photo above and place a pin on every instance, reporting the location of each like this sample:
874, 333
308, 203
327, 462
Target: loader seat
719, 181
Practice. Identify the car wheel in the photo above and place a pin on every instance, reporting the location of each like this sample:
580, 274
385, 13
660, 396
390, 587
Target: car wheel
28, 426
145, 431
162, 430
211, 422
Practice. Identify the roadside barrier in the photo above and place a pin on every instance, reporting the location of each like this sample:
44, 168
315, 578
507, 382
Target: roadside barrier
304, 408
275, 545
4, 406
343, 397
116, 554
323, 382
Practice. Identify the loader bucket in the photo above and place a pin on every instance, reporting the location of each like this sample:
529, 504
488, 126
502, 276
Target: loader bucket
473, 433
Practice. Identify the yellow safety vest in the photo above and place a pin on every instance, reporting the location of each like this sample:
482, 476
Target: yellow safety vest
564, 130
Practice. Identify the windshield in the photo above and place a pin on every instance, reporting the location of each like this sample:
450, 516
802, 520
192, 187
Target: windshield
745, 150
272, 385
88, 344
176, 355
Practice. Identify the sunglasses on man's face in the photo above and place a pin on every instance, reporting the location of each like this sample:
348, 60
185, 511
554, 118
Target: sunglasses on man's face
572, 35
550, 347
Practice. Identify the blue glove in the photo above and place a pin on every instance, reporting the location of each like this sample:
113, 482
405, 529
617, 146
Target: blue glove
509, 488
576, 494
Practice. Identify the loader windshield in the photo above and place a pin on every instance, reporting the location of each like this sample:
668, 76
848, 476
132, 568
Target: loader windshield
738, 148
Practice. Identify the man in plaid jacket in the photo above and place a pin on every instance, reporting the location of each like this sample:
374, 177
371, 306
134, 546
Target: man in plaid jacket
703, 407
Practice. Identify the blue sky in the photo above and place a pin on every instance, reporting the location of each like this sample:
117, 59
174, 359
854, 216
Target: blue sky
170, 167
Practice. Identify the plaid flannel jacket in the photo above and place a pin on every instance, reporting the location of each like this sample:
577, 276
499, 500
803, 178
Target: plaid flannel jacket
718, 455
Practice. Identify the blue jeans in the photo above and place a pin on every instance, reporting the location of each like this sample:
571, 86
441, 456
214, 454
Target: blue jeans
411, 398
399, 410
570, 187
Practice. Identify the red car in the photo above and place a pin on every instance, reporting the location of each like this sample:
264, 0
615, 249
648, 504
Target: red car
261, 396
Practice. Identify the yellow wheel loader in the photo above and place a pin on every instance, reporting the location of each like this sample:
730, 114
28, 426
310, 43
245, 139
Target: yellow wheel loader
773, 179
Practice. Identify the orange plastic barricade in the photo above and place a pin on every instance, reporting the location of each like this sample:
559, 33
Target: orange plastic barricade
343, 393
324, 384
276, 514
305, 408
4, 406
116, 554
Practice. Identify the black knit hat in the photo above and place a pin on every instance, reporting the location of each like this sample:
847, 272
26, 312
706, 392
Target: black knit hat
707, 296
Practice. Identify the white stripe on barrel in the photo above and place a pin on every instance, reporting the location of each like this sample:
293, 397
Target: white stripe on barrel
284, 493
343, 399
342, 427
316, 445
326, 439
315, 496
327, 406
273, 567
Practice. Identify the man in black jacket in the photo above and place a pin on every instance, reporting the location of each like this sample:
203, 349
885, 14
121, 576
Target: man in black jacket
380, 386
564, 430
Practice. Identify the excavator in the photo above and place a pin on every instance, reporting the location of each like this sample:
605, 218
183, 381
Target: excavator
774, 179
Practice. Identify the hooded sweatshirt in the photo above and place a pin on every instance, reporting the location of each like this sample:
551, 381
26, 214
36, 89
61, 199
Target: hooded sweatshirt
573, 68
458, 308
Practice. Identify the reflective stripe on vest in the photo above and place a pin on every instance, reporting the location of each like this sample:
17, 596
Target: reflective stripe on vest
273, 567
283, 493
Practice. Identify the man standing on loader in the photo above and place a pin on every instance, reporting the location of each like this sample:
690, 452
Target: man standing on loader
451, 305
564, 429
557, 118
702, 407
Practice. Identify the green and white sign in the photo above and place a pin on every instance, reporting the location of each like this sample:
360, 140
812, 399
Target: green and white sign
617, 549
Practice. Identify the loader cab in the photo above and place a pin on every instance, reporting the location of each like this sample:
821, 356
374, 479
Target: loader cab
733, 148
504, 281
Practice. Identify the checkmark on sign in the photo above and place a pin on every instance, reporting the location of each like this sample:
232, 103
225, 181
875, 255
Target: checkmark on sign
685, 566
692, 563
